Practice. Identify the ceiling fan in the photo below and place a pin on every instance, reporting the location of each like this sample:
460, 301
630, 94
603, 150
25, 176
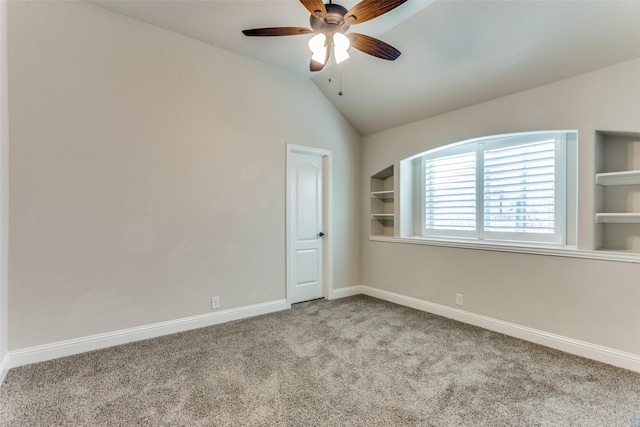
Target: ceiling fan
329, 22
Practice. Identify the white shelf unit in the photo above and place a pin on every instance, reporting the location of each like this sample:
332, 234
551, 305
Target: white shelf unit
608, 179
386, 194
383, 216
383, 203
618, 218
617, 191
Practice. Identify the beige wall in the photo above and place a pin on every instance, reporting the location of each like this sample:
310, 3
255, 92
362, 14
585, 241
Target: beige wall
4, 184
590, 300
147, 174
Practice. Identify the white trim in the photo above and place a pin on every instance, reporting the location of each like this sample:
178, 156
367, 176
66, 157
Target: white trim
346, 292
600, 353
632, 257
4, 367
70, 347
499, 136
94, 342
327, 215
569, 345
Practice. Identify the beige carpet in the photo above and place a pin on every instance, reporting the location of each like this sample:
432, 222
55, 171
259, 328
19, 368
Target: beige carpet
350, 362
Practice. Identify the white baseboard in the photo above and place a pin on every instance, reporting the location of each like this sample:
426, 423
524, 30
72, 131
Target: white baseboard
4, 367
346, 292
94, 342
55, 350
569, 345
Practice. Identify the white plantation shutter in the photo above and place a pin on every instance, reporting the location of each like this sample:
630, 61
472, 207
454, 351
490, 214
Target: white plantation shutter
519, 188
497, 188
450, 192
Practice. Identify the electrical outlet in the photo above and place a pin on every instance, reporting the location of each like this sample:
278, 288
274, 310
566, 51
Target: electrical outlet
459, 299
215, 303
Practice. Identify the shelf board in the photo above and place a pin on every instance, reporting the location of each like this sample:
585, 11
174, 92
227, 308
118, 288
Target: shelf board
387, 194
382, 216
618, 178
618, 133
618, 218
384, 174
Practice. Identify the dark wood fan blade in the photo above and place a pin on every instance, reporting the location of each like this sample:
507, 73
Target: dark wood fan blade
369, 9
373, 46
277, 31
316, 7
316, 66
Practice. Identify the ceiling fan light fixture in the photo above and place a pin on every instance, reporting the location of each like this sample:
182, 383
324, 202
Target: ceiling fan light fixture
320, 56
340, 41
340, 45
318, 47
340, 55
329, 22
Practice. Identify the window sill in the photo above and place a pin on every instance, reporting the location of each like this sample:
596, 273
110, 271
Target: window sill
566, 251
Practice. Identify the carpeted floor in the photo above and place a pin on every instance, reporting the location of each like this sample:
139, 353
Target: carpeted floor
351, 362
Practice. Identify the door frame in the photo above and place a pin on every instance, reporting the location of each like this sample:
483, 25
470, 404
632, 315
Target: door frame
327, 179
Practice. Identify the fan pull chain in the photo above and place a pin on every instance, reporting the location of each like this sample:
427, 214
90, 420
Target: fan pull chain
340, 79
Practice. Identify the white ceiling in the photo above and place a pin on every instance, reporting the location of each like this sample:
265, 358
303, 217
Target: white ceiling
454, 53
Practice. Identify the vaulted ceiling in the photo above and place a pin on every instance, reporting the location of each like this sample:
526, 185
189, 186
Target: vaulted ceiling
454, 53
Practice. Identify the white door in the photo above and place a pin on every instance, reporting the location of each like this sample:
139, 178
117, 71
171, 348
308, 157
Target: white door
306, 236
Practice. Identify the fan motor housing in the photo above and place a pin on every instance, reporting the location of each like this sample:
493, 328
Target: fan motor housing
333, 22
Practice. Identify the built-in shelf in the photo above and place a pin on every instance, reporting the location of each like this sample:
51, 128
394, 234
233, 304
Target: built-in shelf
387, 194
382, 216
618, 218
618, 178
617, 192
383, 203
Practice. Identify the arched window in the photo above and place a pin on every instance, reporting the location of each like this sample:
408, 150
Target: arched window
507, 188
